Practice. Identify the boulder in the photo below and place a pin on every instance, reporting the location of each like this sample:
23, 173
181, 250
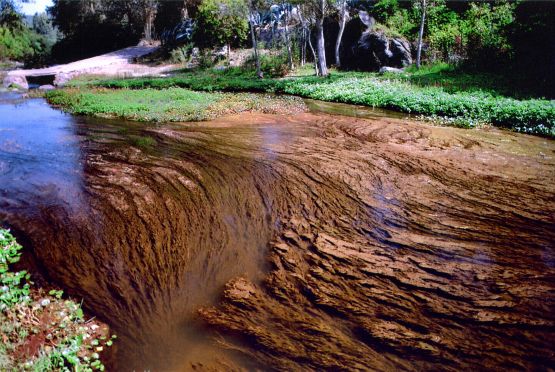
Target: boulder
47, 87
391, 70
375, 50
369, 47
62, 78
401, 52
17, 81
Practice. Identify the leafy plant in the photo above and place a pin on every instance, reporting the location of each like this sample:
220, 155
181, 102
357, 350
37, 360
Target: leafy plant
65, 329
181, 54
13, 286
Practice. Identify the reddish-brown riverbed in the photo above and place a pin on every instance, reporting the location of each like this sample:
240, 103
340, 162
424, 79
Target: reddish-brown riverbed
310, 241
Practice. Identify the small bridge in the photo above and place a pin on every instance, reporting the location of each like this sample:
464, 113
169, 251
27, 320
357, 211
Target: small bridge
60, 73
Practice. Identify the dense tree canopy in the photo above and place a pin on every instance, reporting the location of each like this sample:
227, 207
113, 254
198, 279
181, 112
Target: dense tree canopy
222, 22
21, 41
486, 35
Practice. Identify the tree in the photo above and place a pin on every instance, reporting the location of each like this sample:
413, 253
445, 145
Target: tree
307, 27
9, 17
221, 23
42, 25
314, 12
286, 8
170, 13
421, 33
253, 12
149, 8
320, 41
342, 21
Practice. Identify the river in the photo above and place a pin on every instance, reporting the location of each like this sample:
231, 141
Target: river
340, 238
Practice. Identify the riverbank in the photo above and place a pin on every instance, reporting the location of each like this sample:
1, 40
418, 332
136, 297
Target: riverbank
308, 241
168, 104
457, 100
43, 331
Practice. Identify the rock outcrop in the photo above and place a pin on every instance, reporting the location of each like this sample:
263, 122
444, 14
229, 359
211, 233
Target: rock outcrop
369, 47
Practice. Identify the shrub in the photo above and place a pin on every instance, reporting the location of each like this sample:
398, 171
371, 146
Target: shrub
181, 54
272, 65
22, 45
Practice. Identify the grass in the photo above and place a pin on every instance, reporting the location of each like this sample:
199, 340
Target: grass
167, 104
42, 331
438, 92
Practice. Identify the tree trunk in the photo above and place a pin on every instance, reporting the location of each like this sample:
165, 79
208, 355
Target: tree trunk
150, 14
255, 47
303, 46
320, 42
185, 10
228, 54
316, 66
287, 41
420, 34
342, 22
308, 35
148, 25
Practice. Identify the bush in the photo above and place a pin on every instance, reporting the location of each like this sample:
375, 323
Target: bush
22, 45
272, 65
486, 28
181, 54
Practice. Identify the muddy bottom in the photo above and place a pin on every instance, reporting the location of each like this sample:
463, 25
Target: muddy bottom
309, 241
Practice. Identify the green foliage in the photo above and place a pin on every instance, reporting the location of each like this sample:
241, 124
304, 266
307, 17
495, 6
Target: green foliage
163, 105
397, 18
66, 351
42, 25
440, 91
9, 17
14, 288
479, 31
17, 41
56, 293
181, 54
486, 28
221, 22
141, 105
272, 65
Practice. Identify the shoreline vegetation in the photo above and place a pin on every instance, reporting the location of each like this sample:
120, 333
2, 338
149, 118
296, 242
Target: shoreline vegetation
436, 93
42, 331
169, 104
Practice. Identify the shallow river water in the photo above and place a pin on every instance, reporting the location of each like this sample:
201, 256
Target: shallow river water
341, 238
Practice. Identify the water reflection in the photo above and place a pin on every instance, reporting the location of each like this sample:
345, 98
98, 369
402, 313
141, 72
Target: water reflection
40, 156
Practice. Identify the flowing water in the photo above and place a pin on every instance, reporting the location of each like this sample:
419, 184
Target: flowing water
340, 238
